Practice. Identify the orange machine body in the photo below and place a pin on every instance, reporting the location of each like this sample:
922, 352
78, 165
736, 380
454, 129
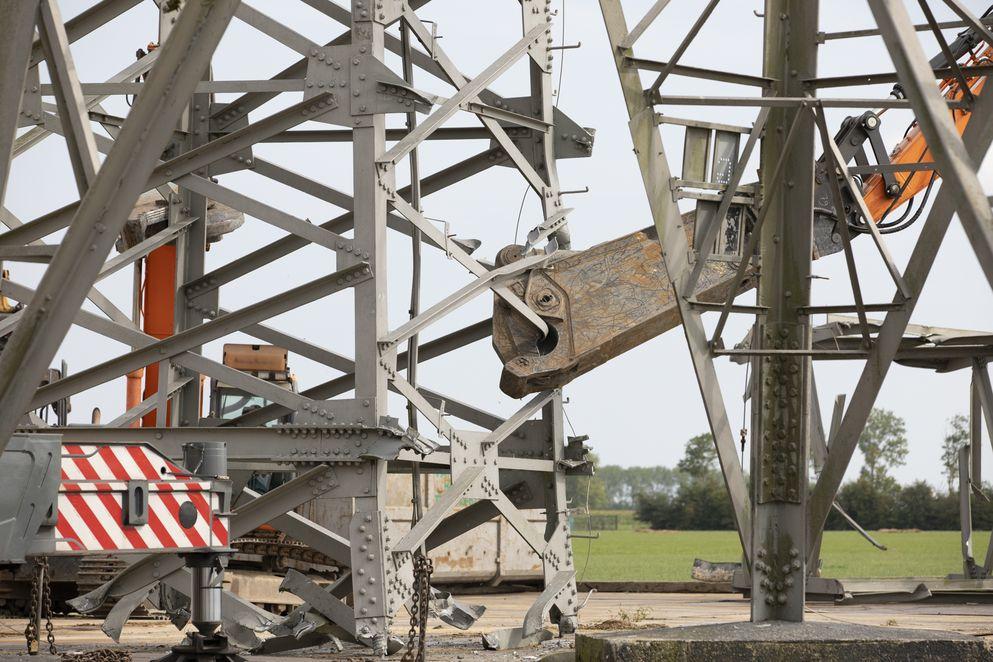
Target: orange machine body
159, 308
913, 149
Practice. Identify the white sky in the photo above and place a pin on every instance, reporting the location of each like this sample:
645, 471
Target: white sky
640, 408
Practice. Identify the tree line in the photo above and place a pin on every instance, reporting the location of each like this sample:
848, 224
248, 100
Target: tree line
692, 495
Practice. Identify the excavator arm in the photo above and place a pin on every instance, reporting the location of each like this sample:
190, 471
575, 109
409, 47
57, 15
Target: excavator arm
603, 301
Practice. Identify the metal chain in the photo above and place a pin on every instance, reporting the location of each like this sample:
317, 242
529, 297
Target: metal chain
99, 655
425, 570
46, 587
423, 567
31, 629
41, 606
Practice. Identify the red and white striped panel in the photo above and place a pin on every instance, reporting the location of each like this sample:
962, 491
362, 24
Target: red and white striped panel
92, 493
117, 462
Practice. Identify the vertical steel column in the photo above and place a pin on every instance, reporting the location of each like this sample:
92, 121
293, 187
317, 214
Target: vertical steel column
780, 439
191, 256
965, 512
540, 65
371, 323
192, 246
558, 554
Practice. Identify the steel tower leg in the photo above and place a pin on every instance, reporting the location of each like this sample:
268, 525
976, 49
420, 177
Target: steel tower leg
779, 467
367, 530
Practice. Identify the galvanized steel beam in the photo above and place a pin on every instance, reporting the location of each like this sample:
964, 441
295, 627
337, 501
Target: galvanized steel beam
107, 203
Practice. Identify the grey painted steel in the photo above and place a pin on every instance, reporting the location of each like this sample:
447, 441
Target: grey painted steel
113, 624
520, 523
845, 232
86, 22
977, 137
345, 383
646, 21
709, 234
856, 194
268, 25
30, 467
109, 89
19, 19
971, 20
753, 241
146, 405
535, 614
216, 328
436, 514
462, 257
461, 297
965, 510
675, 249
179, 168
699, 72
467, 91
107, 203
781, 399
976, 426
985, 390
263, 256
68, 95
683, 45
37, 134
206, 140
325, 603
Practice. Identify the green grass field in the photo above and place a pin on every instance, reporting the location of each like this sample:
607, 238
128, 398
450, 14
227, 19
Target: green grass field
635, 554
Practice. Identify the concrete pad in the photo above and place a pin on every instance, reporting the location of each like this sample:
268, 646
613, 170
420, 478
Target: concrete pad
780, 642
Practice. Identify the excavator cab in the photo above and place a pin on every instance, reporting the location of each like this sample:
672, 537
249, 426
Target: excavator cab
265, 362
228, 402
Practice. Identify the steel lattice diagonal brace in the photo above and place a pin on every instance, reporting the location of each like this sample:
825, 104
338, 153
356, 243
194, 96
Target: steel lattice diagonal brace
107, 203
18, 19
977, 138
559, 598
69, 95
944, 143
216, 328
656, 175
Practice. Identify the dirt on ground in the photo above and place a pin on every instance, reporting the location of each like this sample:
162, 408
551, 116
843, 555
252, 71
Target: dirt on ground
151, 639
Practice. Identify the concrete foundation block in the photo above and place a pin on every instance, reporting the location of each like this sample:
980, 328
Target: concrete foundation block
780, 642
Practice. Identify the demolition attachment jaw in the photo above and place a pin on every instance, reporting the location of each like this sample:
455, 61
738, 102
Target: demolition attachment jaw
598, 304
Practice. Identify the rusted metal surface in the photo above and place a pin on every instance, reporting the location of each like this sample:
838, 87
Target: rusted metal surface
600, 302
254, 358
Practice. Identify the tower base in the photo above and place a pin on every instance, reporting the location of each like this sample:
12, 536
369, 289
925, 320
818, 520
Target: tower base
198, 648
780, 642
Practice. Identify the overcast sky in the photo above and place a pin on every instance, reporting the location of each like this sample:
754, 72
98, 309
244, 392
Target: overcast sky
640, 408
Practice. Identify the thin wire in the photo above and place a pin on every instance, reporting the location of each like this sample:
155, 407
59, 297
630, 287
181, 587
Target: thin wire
829, 617
566, 414
558, 88
520, 212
